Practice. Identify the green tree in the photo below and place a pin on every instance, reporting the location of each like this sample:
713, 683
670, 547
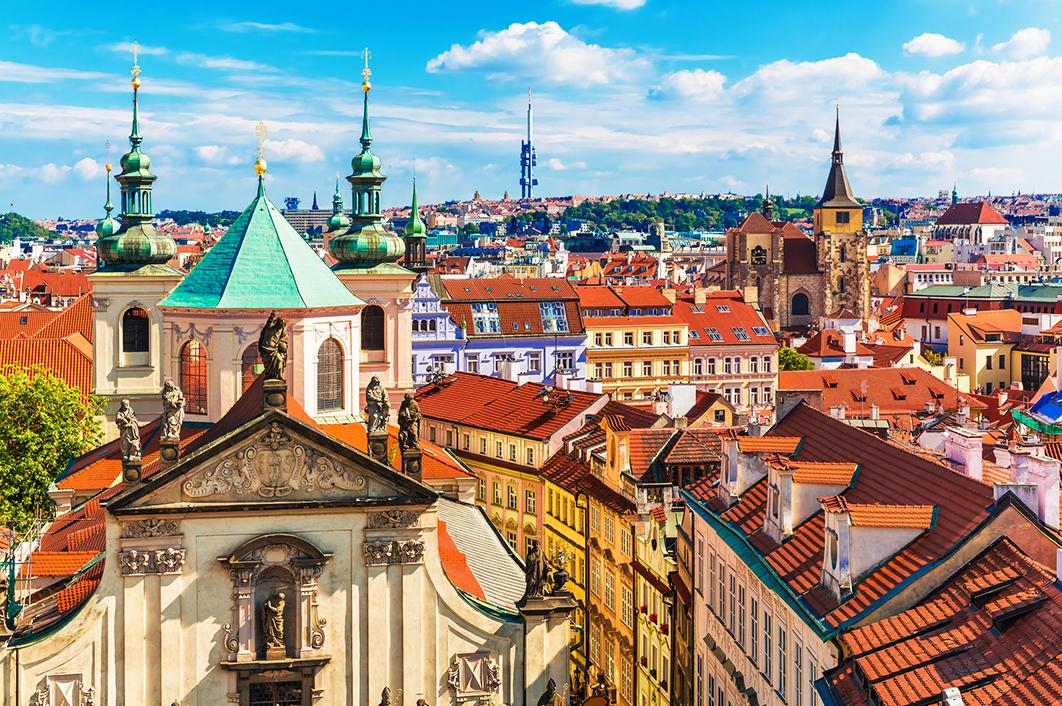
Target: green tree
933, 357
790, 359
14, 225
44, 422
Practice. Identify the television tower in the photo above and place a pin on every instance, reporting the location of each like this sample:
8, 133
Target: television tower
528, 161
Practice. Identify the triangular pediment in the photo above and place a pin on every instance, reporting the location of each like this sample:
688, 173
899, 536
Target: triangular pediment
273, 461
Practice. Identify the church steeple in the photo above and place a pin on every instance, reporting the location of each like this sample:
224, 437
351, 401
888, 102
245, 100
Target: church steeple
339, 219
136, 243
838, 192
954, 193
108, 226
416, 237
768, 207
367, 243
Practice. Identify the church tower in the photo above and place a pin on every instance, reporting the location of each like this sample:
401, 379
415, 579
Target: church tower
841, 240
131, 277
367, 257
416, 237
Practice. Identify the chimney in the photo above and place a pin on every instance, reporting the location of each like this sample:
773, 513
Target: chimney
849, 342
1030, 467
700, 296
875, 412
951, 697
837, 411
1058, 565
1001, 396
963, 446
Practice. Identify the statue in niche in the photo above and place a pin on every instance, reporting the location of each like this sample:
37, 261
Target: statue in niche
409, 424
273, 347
129, 431
273, 621
172, 411
377, 407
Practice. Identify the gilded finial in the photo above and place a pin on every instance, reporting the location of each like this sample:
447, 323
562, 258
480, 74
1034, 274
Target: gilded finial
107, 151
136, 67
365, 72
260, 163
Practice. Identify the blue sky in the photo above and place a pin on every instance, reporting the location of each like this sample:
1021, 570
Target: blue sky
630, 96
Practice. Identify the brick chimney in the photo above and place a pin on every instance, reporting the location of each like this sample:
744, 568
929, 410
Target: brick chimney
963, 446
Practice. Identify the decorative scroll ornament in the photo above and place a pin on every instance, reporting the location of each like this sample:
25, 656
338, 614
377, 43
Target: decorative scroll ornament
134, 562
232, 641
274, 466
150, 528
169, 560
392, 519
317, 623
138, 562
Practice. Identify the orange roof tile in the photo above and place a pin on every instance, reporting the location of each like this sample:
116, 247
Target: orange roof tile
62, 356
885, 515
823, 473
75, 594
769, 444
56, 563
455, 564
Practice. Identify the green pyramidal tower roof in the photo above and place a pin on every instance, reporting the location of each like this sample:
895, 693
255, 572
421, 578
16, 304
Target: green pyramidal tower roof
260, 263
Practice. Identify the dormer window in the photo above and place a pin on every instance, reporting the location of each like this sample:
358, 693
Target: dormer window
775, 495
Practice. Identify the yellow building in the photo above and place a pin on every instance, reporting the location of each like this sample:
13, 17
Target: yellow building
635, 345
652, 566
504, 432
981, 343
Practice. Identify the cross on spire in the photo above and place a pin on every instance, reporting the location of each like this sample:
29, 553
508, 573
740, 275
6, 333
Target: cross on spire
136, 67
260, 163
366, 72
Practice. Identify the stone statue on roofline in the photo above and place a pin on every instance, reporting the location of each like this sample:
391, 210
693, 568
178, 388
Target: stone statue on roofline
172, 411
536, 572
409, 424
273, 347
377, 407
129, 432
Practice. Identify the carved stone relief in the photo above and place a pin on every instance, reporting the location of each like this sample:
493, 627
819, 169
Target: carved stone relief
393, 519
393, 552
150, 528
275, 465
139, 562
473, 676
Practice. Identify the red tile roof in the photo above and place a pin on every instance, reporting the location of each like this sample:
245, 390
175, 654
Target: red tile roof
52, 564
516, 318
598, 297
506, 288
962, 214
501, 405
723, 315
829, 343
695, 446
645, 446
69, 359
951, 639
822, 473
890, 515
893, 390
769, 444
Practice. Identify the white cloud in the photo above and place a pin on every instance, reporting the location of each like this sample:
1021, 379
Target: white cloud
52, 173
87, 168
799, 81
221, 63
616, 4
697, 84
216, 155
266, 27
1025, 43
559, 166
933, 45
545, 52
141, 49
293, 151
12, 72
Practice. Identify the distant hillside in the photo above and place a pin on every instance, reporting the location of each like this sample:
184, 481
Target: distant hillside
183, 218
14, 225
712, 213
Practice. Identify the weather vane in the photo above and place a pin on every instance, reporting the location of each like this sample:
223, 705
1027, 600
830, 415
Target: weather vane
260, 163
365, 73
136, 67
107, 155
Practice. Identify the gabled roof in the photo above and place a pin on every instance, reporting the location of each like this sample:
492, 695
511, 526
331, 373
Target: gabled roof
893, 390
260, 263
961, 214
507, 288
724, 315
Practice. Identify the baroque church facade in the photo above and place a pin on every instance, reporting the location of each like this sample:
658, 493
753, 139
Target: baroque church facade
795, 278
257, 541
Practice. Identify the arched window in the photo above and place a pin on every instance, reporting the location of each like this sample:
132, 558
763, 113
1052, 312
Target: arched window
135, 330
799, 305
329, 376
842, 254
194, 377
840, 284
372, 328
250, 366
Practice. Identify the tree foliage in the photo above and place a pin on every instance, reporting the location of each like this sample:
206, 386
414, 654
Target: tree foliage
14, 225
183, 218
791, 359
44, 422
686, 214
